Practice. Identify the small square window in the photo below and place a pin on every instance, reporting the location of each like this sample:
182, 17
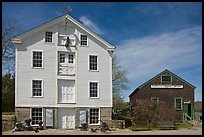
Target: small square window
155, 99
166, 78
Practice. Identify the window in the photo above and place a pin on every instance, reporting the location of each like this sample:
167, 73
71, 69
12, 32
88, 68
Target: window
155, 99
93, 86
84, 40
62, 58
93, 62
94, 116
166, 78
70, 58
48, 36
36, 115
178, 103
37, 59
37, 88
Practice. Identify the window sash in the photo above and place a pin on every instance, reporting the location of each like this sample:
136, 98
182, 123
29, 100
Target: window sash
84, 40
178, 103
62, 58
93, 89
166, 78
48, 36
37, 59
36, 115
94, 116
70, 58
93, 62
37, 88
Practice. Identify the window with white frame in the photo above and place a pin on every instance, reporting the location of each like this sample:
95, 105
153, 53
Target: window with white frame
178, 103
37, 88
84, 40
36, 115
62, 58
48, 36
37, 59
94, 115
155, 99
166, 78
93, 62
70, 58
93, 89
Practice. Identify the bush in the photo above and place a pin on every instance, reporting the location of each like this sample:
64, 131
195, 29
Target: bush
147, 110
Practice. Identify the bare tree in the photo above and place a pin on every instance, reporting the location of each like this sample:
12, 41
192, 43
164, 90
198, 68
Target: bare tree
119, 77
119, 80
8, 50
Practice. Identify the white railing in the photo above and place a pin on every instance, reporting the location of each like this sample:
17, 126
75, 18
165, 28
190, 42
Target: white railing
187, 118
66, 70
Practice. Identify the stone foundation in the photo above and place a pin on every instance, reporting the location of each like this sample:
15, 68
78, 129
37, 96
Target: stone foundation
106, 114
8, 122
22, 113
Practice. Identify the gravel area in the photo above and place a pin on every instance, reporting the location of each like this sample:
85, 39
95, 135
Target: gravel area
192, 131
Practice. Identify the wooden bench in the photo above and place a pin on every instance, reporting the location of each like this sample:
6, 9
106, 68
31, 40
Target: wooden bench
141, 125
166, 125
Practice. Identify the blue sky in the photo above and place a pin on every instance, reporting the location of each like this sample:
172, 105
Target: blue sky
149, 36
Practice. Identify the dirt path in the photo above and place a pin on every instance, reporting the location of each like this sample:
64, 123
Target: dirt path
192, 131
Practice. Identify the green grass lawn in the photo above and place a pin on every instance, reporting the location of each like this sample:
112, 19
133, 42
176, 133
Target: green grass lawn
8, 113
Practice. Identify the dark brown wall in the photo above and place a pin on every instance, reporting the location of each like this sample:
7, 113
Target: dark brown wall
165, 94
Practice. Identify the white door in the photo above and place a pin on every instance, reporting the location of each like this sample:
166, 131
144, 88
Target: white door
70, 121
49, 118
64, 122
66, 118
66, 91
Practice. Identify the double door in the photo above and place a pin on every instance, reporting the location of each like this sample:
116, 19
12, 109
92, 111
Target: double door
66, 118
66, 91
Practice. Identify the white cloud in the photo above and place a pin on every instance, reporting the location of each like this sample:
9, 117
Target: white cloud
152, 54
91, 25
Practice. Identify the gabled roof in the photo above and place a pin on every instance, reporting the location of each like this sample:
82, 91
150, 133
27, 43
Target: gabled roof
60, 19
165, 71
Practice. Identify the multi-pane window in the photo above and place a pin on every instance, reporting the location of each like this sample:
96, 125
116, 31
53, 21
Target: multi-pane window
62, 58
94, 115
48, 36
70, 58
93, 62
166, 78
37, 88
37, 59
155, 99
93, 89
36, 115
178, 103
83, 40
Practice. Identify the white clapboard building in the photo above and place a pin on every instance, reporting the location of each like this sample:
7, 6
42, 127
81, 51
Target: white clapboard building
63, 75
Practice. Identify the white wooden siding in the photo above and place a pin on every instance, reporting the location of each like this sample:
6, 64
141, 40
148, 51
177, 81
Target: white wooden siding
49, 75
